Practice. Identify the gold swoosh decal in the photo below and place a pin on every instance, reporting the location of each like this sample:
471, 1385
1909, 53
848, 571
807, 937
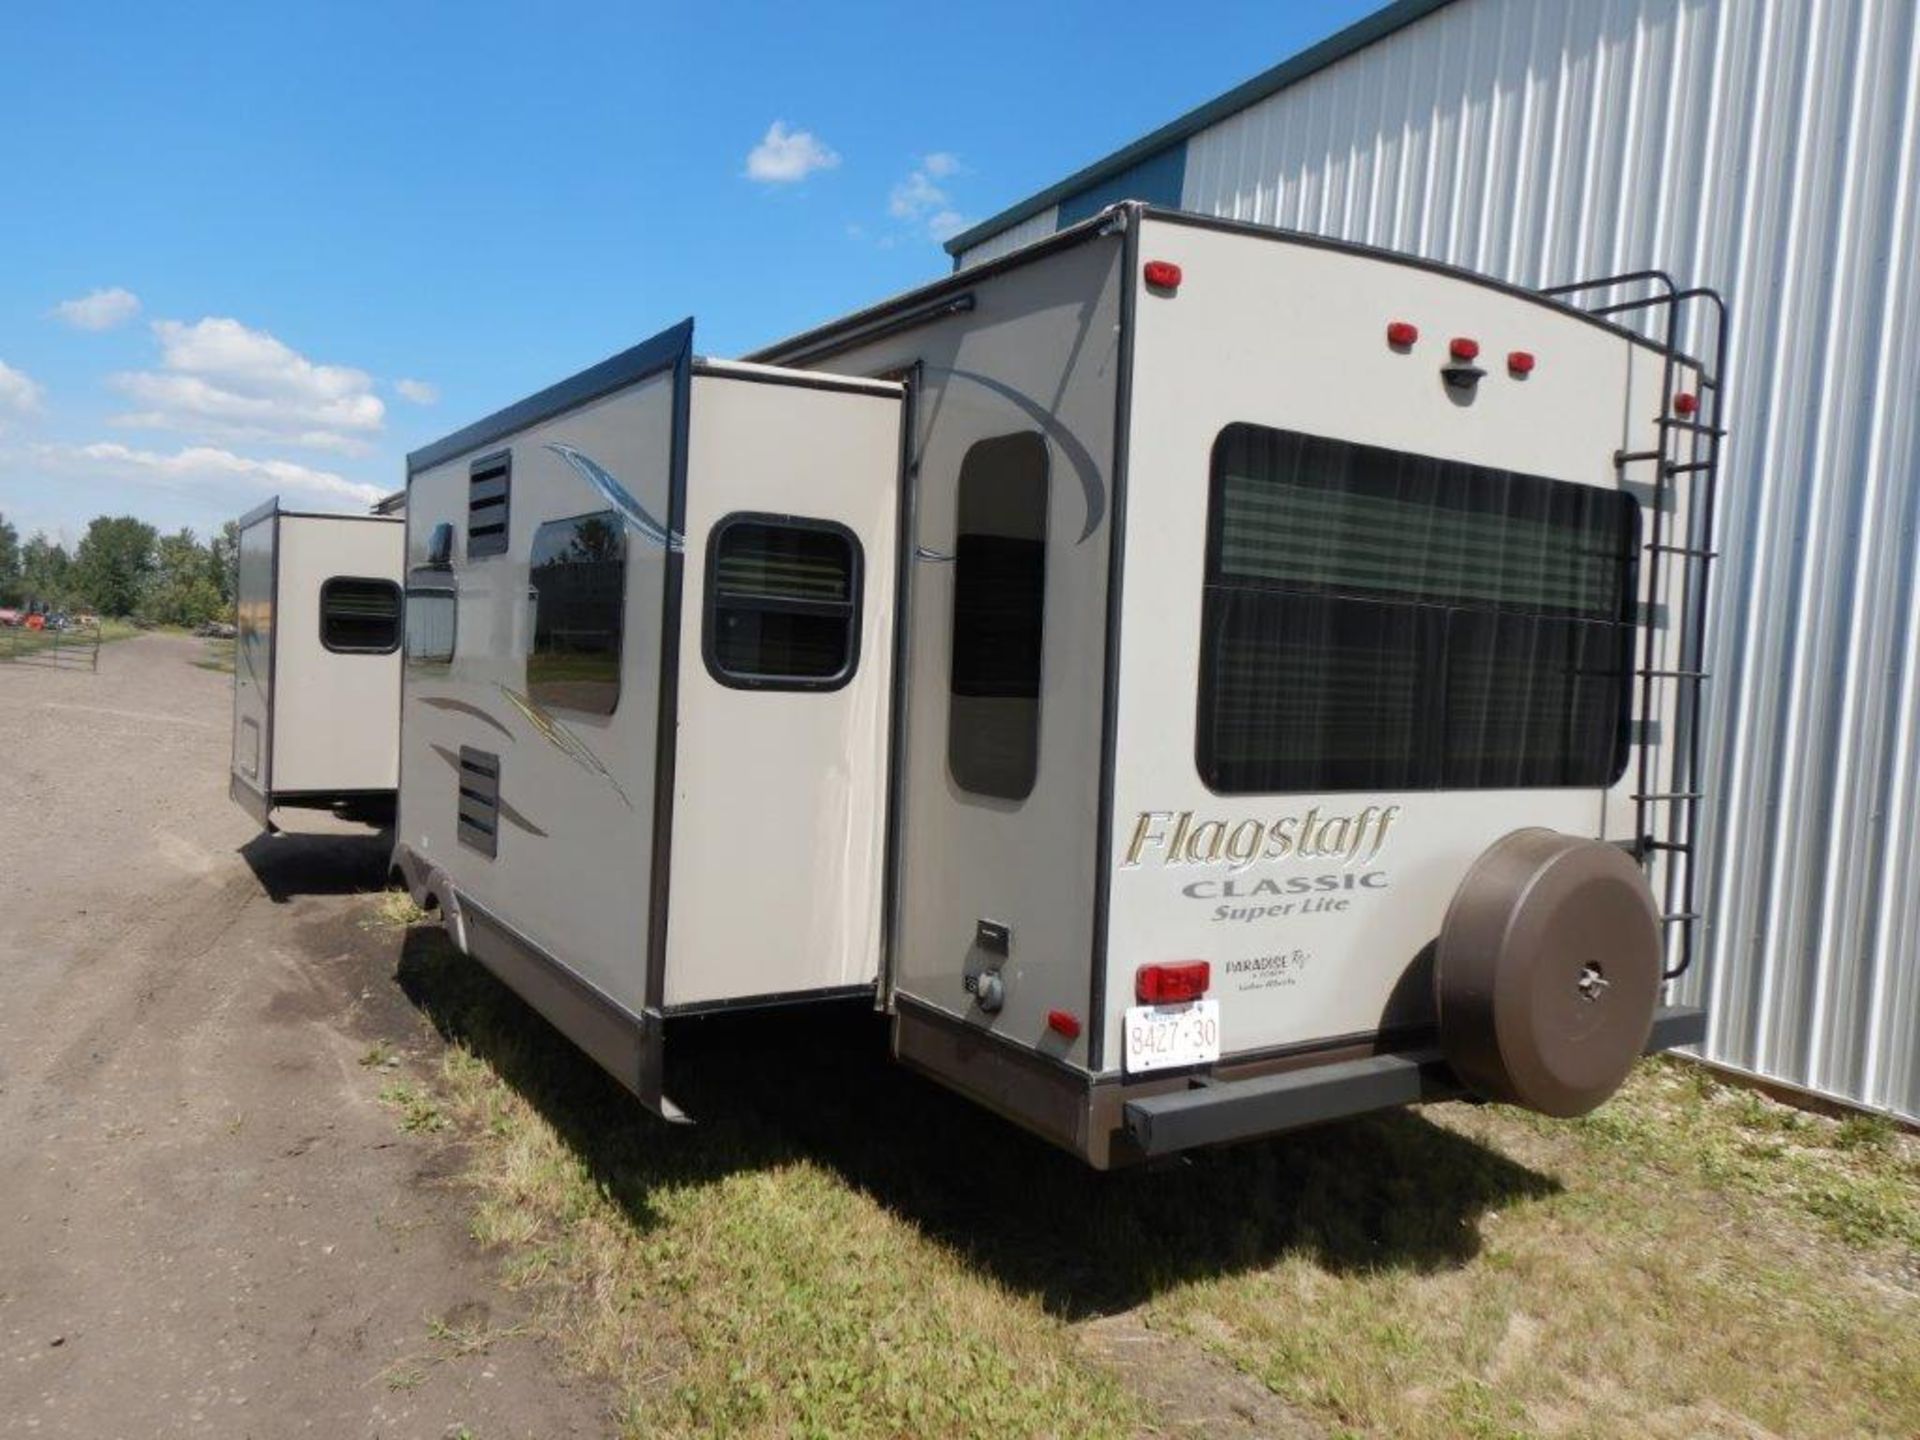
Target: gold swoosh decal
564, 740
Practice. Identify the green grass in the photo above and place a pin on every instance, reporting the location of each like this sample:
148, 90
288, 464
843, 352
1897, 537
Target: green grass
420, 1111
1706, 1261
840, 1248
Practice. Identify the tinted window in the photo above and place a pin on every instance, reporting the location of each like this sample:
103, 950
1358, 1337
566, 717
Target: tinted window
359, 616
783, 606
577, 570
999, 598
1375, 620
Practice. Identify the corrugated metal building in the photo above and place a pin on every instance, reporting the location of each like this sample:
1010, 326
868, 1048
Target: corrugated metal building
1766, 148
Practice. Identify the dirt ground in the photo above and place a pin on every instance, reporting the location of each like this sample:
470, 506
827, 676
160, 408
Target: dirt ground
209, 1223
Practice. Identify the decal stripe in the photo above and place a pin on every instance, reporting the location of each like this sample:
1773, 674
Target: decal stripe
618, 496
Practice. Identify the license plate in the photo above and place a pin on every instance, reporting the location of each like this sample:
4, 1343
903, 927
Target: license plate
1165, 1037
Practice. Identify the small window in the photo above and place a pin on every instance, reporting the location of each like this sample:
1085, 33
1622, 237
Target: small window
1375, 620
783, 603
489, 489
432, 616
999, 604
359, 616
577, 571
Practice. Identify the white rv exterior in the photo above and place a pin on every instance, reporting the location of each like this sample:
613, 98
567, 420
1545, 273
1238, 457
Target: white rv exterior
695, 825
1242, 616
316, 691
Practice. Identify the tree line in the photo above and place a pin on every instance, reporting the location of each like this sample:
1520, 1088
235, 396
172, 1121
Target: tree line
123, 566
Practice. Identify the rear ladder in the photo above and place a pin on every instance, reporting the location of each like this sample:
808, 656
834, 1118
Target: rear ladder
1667, 806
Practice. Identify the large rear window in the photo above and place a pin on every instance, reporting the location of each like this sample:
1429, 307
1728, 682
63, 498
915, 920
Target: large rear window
1377, 620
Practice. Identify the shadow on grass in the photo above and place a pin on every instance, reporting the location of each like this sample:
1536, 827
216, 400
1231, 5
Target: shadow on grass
290, 863
1389, 1192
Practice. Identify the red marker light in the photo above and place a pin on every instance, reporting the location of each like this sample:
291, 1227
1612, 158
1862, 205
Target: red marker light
1062, 1022
1685, 403
1171, 984
1163, 275
1402, 333
1461, 348
1520, 362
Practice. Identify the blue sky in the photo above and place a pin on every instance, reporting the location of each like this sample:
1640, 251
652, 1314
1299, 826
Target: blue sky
258, 248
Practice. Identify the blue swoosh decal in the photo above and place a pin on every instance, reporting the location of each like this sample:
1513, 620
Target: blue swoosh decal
617, 495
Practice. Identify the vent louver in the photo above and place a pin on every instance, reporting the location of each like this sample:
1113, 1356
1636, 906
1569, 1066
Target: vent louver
489, 488
479, 827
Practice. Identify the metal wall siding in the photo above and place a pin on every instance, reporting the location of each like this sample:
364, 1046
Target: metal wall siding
1769, 150
1034, 227
1158, 180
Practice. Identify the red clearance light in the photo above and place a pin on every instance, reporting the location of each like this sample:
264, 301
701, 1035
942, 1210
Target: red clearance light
1170, 984
1461, 348
1686, 403
1520, 362
1402, 333
1163, 275
1062, 1022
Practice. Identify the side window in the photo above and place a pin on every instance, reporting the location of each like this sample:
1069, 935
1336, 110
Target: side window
578, 574
432, 616
359, 616
783, 603
999, 600
489, 495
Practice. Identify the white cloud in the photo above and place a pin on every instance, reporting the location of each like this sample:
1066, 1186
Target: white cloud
19, 391
420, 392
922, 200
204, 470
219, 378
100, 310
915, 196
784, 155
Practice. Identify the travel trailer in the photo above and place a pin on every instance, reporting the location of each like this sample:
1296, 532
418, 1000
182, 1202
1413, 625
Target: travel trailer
1198, 680
316, 663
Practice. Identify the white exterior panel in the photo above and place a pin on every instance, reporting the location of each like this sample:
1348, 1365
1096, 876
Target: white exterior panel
779, 829
1346, 958
336, 716
1768, 150
575, 814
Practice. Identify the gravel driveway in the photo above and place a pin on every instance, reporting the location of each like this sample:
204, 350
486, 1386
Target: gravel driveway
209, 1224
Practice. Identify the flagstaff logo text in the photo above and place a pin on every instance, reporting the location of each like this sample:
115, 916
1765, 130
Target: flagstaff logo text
1178, 839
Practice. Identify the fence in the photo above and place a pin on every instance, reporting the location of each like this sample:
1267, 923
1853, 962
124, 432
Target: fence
75, 648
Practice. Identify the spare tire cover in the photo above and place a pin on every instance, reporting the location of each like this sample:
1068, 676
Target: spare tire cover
1547, 971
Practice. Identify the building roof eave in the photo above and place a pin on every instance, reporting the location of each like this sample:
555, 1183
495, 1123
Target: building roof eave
1363, 32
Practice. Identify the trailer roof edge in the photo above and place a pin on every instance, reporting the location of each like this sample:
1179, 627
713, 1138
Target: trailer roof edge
614, 373
847, 331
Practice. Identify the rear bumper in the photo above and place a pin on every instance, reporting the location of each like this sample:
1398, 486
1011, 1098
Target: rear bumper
1217, 1112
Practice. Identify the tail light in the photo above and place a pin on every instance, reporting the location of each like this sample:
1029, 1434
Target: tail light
1461, 348
1686, 403
1402, 333
1064, 1022
1169, 984
1520, 362
1162, 274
